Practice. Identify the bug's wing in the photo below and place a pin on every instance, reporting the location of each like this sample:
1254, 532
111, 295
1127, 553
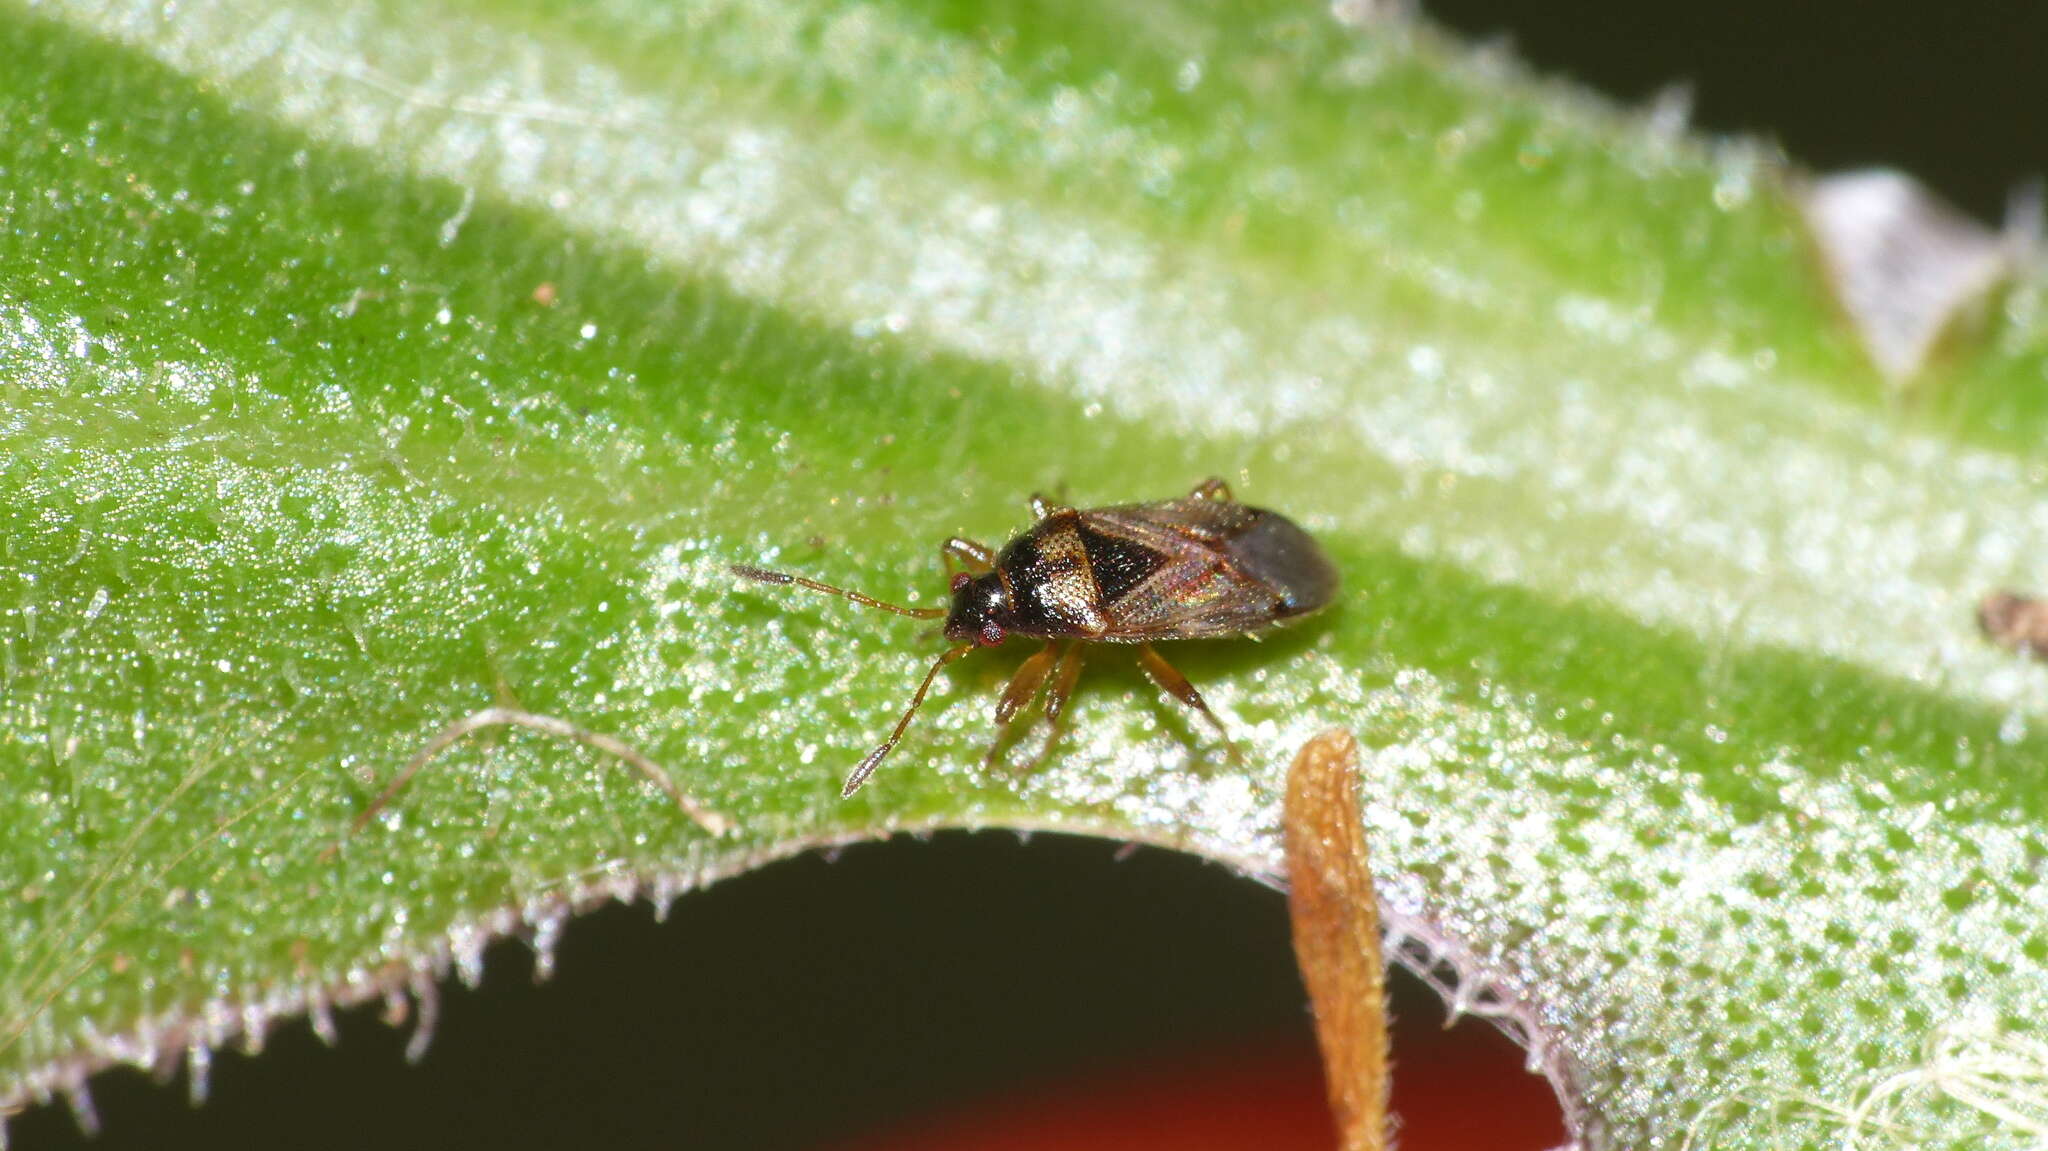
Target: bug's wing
1182, 569
1195, 520
1190, 598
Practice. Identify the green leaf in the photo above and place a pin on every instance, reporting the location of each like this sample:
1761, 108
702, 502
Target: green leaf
369, 365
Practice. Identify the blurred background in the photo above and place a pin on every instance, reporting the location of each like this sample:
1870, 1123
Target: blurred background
1956, 94
975, 991
971, 991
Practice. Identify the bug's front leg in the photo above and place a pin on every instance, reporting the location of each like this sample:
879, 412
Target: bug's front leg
1213, 488
1022, 688
968, 556
1024, 685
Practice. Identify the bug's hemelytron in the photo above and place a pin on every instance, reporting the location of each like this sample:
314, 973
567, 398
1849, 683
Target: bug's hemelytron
1201, 566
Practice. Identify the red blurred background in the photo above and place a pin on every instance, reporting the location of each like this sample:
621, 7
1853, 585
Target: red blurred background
1455, 1089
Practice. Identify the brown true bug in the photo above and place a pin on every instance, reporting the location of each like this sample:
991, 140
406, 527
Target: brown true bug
1202, 566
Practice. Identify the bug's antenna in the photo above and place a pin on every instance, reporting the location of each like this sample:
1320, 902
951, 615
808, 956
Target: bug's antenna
766, 576
873, 759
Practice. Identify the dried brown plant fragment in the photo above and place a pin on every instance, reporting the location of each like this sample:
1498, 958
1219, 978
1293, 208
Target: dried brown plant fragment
2016, 621
1335, 915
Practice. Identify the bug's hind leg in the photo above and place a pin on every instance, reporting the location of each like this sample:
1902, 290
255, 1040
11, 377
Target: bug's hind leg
1176, 685
1212, 488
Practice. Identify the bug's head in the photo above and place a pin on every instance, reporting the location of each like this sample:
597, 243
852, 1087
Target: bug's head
981, 610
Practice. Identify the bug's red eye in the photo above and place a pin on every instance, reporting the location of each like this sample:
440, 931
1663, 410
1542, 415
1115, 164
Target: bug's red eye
960, 580
991, 634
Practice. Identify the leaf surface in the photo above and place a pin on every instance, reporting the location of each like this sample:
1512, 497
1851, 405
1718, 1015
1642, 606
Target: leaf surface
369, 365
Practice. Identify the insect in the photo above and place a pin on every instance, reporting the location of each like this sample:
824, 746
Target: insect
1201, 566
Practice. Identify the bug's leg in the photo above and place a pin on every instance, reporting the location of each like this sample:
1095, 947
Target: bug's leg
1062, 687
1024, 685
1063, 683
1022, 689
967, 556
1176, 685
1043, 505
1212, 488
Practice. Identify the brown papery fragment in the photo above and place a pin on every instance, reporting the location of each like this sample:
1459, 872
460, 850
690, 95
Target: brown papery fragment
1336, 922
2012, 620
